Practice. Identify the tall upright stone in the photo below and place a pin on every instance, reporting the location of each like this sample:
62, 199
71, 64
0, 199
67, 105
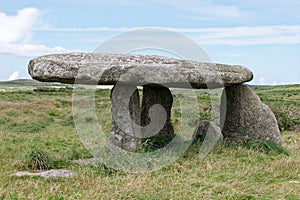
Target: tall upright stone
245, 118
125, 127
156, 112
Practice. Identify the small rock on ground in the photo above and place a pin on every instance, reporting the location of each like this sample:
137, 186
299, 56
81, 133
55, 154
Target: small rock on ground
53, 173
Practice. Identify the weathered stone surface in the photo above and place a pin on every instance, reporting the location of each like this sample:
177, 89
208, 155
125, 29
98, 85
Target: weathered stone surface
156, 111
246, 118
125, 128
108, 69
209, 134
205, 128
53, 173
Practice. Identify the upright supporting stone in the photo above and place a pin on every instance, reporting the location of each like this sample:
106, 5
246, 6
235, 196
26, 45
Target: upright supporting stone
156, 120
124, 131
245, 118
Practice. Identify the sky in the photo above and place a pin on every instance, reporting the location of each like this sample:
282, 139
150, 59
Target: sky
263, 35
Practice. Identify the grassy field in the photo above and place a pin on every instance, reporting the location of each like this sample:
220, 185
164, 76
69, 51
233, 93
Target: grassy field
39, 119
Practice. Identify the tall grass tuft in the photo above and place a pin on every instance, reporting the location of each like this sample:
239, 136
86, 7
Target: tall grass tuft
37, 159
266, 147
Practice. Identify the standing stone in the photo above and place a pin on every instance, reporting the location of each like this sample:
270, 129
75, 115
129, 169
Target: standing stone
209, 134
207, 129
245, 118
125, 127
156, 112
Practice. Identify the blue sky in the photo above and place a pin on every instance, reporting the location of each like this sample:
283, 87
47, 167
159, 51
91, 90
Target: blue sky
263, 35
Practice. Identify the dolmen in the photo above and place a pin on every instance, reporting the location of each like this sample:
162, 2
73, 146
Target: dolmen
243, 116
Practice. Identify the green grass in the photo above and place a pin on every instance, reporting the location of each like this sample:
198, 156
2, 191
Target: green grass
266, 147
37, 131
285, 103
37, 159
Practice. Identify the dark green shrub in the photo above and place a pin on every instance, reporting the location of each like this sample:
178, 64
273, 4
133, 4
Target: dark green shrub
37, 159
285, 122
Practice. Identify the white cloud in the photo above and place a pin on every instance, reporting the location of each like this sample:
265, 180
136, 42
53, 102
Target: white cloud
196, 18
16, 33
286, 7
14, 76
29, 49
18, 28
211, 8
246, 35
92, 29
207, 7
239, 36
261, 80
